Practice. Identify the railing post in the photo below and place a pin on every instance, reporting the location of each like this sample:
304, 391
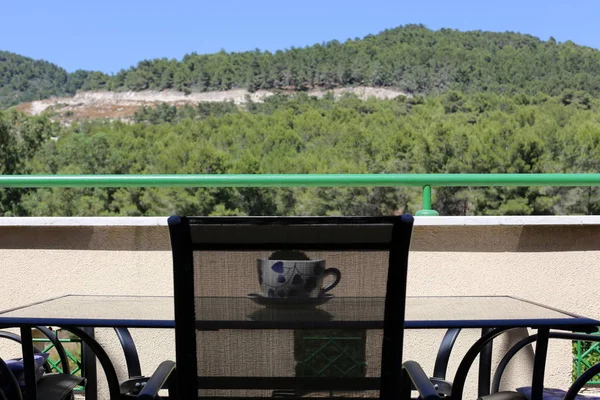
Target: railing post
427, 211
578, 360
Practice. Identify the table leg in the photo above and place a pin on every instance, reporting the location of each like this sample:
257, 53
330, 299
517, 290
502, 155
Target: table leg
88, 359
28, 363
539, 364
485, 366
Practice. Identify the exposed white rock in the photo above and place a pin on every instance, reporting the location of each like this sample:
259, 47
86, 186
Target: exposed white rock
125, 102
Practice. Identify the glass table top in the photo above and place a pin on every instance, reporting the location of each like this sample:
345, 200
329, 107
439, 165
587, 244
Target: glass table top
422, 312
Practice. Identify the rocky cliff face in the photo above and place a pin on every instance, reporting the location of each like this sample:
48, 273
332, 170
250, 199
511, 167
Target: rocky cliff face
122, 105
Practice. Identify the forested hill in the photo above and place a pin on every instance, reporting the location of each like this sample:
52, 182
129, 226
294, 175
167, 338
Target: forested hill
24, 79
411, 58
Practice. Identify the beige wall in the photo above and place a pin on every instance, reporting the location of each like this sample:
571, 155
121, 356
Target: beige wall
550, 260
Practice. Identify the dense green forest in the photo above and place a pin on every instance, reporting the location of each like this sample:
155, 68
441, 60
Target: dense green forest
25, 79
480, 102
412, 58
449, 133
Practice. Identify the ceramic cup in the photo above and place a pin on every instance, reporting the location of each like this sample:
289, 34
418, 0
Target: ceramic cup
295, 278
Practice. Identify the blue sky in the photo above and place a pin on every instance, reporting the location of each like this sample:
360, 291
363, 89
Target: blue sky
110, 35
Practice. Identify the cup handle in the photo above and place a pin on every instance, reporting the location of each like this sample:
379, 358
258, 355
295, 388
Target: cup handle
336, 273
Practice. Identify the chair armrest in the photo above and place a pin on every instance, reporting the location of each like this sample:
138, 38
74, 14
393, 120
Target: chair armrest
133, 386
442, 386
158, 379
420, 381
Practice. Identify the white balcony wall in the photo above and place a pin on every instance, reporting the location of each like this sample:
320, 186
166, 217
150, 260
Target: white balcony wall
550, 260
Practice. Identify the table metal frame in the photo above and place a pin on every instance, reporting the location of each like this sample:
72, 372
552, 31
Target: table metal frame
492, 328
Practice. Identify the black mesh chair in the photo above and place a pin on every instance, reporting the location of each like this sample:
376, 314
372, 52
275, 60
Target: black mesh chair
234, 340
50, 386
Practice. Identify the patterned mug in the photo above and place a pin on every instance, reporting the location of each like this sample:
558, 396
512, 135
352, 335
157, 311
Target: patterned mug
295, 278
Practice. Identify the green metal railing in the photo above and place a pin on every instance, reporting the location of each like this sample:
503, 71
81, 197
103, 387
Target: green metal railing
73, 354
330, 353
585, 354
426, 181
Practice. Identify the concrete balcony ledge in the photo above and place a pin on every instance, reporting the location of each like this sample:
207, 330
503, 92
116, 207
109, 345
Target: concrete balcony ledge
431, 234
83, 221
419, 221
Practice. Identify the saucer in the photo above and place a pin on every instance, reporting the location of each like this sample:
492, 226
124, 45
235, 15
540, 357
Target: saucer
262, 300
306, 315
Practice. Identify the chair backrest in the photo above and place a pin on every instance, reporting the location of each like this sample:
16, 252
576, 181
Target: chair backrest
236, 345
